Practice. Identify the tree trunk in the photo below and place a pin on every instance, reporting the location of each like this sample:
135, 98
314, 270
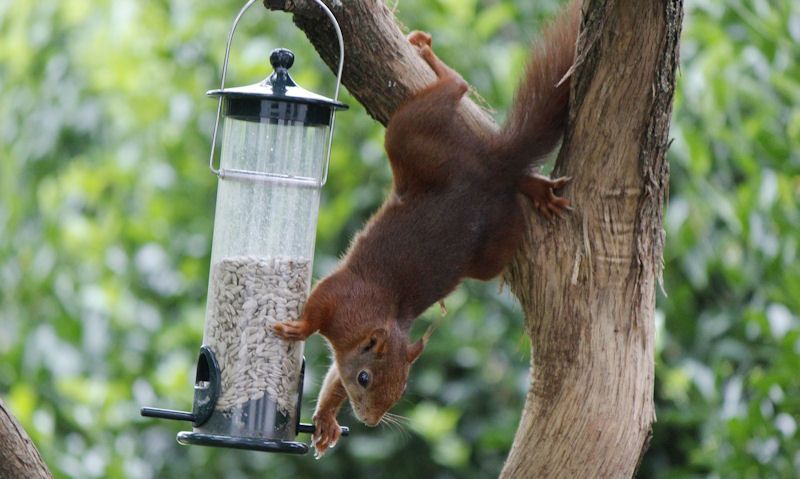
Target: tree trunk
19, 458
587, 284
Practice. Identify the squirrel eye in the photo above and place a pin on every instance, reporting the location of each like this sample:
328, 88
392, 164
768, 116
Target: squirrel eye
363, 379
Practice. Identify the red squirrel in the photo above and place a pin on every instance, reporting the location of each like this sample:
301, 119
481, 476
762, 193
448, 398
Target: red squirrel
456, 210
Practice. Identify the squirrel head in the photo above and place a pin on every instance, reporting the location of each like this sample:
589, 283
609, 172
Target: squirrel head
375, 372
371, 350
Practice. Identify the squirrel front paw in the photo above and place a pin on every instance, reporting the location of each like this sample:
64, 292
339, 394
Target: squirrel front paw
419, 39
292, 330
326, 433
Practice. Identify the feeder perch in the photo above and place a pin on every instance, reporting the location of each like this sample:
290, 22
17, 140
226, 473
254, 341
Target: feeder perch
275, 151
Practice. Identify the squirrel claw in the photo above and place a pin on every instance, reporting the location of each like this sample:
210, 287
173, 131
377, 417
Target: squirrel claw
561, 181
291, 330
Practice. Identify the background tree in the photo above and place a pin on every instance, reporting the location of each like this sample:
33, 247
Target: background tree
18, 455
105, 222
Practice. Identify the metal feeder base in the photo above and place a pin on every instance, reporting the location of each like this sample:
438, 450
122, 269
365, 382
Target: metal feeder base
251, 443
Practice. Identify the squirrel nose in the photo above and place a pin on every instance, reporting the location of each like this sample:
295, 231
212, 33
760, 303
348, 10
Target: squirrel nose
372, 422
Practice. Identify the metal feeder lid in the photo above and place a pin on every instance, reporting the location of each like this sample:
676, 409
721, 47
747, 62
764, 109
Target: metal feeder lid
278, 87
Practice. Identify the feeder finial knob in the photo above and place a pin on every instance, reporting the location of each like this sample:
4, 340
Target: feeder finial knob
281, 59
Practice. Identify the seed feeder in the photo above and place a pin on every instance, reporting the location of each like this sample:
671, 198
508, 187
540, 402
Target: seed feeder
275, 151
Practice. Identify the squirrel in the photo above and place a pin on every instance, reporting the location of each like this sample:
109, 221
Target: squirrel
456, 210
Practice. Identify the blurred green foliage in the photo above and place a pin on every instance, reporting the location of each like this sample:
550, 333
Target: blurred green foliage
106, 209
728, 371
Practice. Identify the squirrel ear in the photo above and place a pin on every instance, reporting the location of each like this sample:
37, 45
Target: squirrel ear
375, 341
414, 350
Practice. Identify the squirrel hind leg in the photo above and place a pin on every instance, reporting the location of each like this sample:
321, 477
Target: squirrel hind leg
540, 190
422, 41
501, 244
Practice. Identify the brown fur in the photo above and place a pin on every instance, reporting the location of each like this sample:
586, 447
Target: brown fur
454, 212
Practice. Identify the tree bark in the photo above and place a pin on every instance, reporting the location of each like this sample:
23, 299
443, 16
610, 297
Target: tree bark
587, 284
19, 458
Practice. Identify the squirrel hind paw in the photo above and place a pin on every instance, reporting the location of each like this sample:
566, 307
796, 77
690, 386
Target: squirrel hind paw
419, 39
540, 190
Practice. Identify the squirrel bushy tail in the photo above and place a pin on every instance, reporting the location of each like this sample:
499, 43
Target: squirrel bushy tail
538, 113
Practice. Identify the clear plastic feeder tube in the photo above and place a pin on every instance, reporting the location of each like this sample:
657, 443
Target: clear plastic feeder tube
263, 245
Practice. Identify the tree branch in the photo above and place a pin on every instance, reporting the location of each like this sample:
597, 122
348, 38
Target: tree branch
381, 68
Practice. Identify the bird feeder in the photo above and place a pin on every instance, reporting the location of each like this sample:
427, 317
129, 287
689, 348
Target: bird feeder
275, 151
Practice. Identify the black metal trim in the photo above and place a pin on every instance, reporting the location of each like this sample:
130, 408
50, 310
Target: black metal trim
160, 413
205, 398
300, 395
273, 111
308, 428
250, 443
